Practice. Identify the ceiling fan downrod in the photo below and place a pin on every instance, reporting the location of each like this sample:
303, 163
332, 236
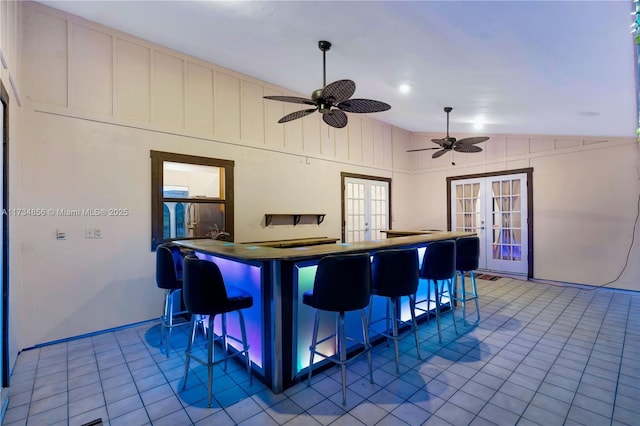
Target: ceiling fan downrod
324, 46
448, 110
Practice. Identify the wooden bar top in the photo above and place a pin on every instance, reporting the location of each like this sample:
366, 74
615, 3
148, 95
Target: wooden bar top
255, 252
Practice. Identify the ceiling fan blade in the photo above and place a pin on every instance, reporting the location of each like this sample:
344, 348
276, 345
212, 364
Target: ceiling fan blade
467, 148
293, 99
339, 91
473, 140
439, 153
363, 106
295, 115
441, 142
421, 149
335, 118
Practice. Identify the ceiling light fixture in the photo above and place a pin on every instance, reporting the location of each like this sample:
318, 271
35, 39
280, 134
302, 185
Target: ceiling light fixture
478, 123
404, 88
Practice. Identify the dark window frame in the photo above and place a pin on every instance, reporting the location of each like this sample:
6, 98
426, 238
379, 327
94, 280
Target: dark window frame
157, 198
345, 175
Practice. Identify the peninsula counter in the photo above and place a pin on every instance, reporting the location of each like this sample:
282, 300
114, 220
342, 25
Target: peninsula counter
279, 325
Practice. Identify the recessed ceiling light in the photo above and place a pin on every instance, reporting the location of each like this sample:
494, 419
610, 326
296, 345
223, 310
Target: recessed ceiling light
478, 123
404, 88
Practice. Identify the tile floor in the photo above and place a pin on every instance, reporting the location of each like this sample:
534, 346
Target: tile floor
541, 355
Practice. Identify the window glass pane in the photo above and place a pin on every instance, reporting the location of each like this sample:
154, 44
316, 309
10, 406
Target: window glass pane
201, 220
181, 180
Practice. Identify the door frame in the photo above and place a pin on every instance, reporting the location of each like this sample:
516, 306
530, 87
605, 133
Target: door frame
4, 98
345, 175
529, 172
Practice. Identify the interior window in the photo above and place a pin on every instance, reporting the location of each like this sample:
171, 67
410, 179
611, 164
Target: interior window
192, 197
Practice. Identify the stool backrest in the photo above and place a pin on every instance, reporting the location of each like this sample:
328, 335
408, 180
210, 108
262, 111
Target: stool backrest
394, 273
203, 289
439, 261
343, 282
467, 253
168, 266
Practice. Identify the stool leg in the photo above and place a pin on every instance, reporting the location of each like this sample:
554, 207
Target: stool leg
342, 350
414, 324
428, 300
225, 342
394, 318
475, 294
367, 345
388, 318
312, 348
210, 360
453, 311
245, 346
187, 352
464, 296
435, 289
166, 320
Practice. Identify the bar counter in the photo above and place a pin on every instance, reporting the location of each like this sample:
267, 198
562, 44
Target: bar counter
279, 325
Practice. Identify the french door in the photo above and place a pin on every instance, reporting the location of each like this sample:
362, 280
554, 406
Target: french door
496, 208
365, 208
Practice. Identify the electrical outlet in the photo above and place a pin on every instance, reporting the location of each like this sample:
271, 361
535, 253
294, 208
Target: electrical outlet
89, 233
97, 233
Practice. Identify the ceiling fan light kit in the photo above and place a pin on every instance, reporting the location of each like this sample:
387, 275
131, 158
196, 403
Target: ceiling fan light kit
332, 100
449, 143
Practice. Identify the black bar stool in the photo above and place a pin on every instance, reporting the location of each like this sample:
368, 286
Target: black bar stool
342, 284
169, 278
205, 293
439, 266
467, 255
394, 274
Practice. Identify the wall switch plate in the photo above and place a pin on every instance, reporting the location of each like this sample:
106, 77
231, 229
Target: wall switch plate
89, 233
60, 234
97, 233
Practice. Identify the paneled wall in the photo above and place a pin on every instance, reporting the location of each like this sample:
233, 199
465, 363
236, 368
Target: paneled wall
96, 101
85, 70
586, 200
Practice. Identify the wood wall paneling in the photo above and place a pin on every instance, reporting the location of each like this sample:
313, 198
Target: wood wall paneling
367, 141
226, 110
567, 143
540, 145
328, 139
50, 49
91, 70
133, 81
293, 136
341, 137
311, 132
273, 111
168, 91
252, 119
517, 146
199, 99
355, 139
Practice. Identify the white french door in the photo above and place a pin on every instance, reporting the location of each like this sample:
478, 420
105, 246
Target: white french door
366, 205
495, 207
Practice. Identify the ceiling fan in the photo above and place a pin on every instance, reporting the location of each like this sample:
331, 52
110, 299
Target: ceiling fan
449, 143
332, 100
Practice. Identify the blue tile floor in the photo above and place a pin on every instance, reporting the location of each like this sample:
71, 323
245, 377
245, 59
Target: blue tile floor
541, 354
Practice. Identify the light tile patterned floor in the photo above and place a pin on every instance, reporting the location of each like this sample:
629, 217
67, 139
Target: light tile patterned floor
541, 355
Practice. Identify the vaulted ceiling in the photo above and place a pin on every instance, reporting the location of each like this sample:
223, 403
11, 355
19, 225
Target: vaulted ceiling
526, 67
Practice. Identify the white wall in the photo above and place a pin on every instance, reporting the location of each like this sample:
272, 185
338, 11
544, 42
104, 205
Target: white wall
97, 101
586, 194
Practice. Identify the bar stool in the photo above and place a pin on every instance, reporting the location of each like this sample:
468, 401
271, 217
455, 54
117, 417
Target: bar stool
467, 255
205, 293
169, 278
342, 284
439, 267
394, 274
